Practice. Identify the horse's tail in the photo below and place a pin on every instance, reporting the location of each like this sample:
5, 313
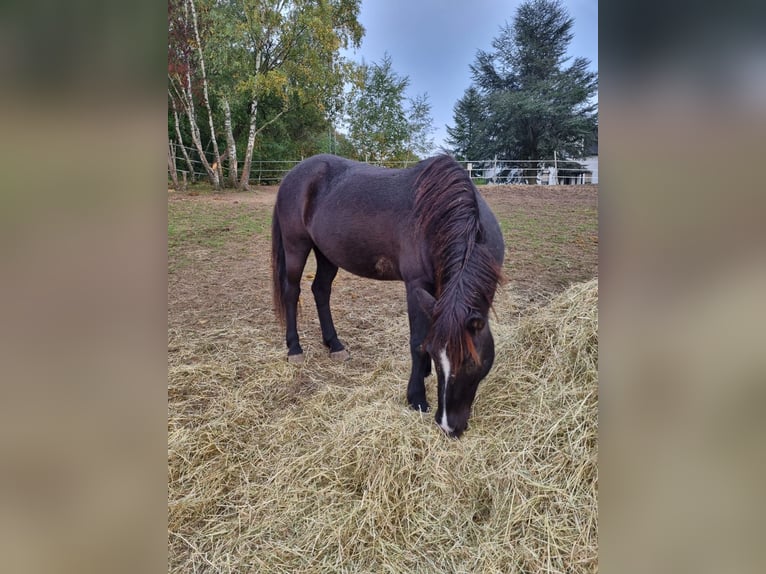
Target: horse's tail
278, 267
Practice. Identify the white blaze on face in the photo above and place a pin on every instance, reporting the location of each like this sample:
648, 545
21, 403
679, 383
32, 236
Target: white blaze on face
446, 370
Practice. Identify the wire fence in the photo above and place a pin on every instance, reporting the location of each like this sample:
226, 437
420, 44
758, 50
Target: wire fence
482, 172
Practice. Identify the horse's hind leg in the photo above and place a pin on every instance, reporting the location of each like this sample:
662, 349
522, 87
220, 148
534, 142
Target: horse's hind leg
295, 261
322, 287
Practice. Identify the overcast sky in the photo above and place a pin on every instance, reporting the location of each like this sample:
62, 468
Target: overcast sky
435, 41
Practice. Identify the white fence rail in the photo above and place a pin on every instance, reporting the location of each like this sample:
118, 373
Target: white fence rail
536, 172
487, 172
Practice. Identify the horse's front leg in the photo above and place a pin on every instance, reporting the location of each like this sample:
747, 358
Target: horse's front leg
421, 360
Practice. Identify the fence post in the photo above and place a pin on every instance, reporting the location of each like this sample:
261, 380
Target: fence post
172, 164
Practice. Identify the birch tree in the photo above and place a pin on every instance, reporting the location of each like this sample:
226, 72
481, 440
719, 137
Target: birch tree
226, 65
231, 143
252, 62
293, 48
179, 137
217, 170
181, 72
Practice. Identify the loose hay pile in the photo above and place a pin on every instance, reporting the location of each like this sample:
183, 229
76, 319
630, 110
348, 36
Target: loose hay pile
323, 468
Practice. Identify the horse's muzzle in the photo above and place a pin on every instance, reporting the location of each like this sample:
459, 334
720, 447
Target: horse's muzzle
454, 428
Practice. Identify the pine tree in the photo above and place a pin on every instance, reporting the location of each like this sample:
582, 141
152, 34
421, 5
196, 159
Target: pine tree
466, 136
534, 104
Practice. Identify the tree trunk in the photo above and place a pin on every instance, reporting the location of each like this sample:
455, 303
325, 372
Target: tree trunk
206, 100
172, 164
244, 182
231, 144
180, 139
196, 138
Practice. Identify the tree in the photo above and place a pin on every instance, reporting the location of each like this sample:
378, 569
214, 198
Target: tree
379, 126
252, 63
217, 171
420, 127
183, 63
294, 51
533, 104
466, 137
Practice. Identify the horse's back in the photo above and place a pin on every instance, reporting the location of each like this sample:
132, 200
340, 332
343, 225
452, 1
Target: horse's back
340, 181
300, 190
302, 179
359, 216
362, 217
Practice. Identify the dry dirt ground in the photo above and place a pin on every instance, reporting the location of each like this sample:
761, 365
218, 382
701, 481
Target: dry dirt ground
219, 249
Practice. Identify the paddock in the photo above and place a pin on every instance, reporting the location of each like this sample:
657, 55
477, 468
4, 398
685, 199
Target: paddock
322, 467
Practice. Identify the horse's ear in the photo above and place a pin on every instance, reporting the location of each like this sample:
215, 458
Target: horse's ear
425, 300
475, 323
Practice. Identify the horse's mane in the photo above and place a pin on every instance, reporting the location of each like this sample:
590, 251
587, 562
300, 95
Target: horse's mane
465, 273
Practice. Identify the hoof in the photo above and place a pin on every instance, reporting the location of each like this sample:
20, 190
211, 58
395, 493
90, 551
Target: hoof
423, 406
342, 355
295, 359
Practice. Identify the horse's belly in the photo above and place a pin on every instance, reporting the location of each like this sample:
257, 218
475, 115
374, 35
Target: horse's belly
385, 269
369, 249
378, 267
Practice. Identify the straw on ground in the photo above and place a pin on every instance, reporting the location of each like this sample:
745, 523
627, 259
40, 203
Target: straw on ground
322, 467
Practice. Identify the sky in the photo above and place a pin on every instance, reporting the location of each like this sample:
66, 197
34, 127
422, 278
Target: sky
435, 41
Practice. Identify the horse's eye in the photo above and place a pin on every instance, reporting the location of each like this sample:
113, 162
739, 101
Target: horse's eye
475, 324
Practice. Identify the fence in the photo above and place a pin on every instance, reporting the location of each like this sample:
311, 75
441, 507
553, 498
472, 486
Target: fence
487, 172
537, 172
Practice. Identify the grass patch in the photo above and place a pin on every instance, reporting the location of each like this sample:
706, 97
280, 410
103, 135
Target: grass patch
208, 225
560, 246
202, 188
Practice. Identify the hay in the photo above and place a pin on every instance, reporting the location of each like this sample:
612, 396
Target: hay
323, 468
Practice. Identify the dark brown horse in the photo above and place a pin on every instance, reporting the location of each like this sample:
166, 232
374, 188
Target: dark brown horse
427, 226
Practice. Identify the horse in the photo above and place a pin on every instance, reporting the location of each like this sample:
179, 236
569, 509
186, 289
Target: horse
426, 225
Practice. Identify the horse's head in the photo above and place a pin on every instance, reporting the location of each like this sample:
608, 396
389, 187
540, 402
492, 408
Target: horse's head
457, 386
459, 373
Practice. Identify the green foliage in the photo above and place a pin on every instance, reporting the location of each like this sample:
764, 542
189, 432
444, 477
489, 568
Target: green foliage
380, 127
283, 59
283, 55
420, 126
467, 135
295, 70
526, 104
